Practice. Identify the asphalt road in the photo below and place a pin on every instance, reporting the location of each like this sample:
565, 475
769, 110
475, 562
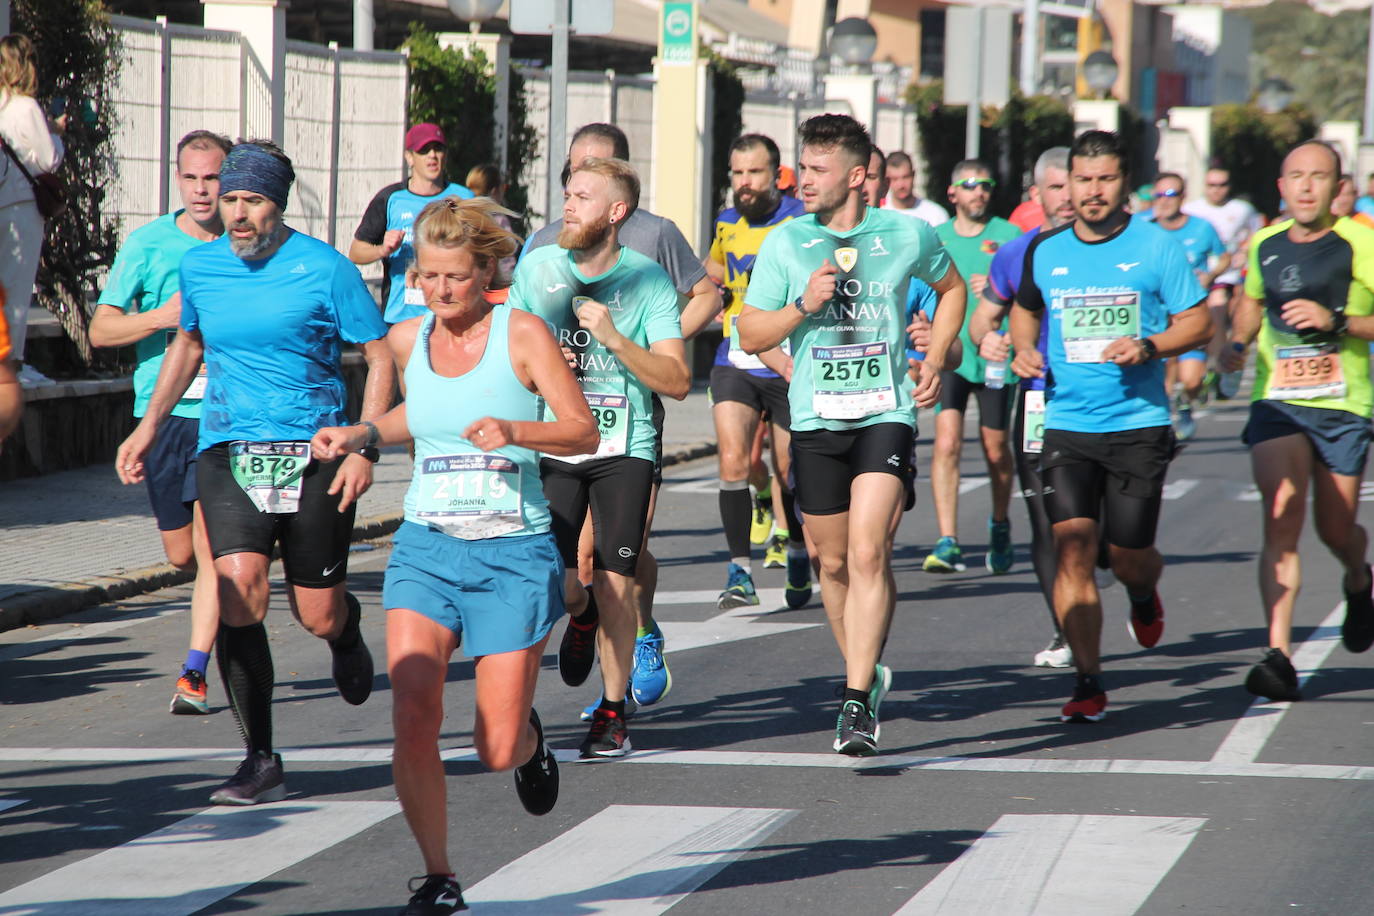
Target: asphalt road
1186, 798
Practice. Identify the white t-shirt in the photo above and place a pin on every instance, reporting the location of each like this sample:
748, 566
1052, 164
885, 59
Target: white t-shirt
1235, 221
925, 208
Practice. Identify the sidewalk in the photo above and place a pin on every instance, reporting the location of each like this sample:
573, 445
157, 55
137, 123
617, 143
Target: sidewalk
78, 538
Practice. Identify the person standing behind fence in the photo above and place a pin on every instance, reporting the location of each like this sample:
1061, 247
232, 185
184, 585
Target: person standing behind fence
385, 231
141, 306
33, 139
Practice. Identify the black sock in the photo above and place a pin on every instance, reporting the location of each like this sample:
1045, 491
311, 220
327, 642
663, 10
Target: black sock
735, 510
789, 511
352, 632
615, 706
245, 665
1140, 597
590, 614
851, 694
1090, 683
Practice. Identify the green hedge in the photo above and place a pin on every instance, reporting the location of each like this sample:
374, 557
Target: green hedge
1252, 143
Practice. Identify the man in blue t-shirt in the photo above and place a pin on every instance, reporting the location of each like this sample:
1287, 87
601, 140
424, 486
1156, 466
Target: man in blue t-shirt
269, 310
385, 231
141, 305
1116, 294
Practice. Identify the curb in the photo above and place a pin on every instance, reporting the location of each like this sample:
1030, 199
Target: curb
30, 608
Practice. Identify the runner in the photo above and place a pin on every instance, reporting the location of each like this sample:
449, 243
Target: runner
1207, 256
659, 240
745, 388
1051, 194
900, 173
616, 315
141, 305
269, 309
474, 559
385, 232
1120, 294
1308, 297
971, 238
834, 284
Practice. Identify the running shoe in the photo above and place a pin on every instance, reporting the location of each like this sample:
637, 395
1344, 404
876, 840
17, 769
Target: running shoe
882, 683
1273, 677
536, 781
798, 590
762, 525
1146, 623
1089, 703
607, 737
775, 555
1056, 655
945, 558
190, 700
1184, 424
589, 712
1357, 631
1000, 553
439, 895
854, 731
739, 589
577, 651
259, 778
650, 679
353, 671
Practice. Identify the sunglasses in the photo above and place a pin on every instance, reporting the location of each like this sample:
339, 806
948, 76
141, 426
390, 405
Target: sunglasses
1169, 193
1218, 184
972, 184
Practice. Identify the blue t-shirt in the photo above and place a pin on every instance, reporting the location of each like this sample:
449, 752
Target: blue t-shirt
1091, 293
273, 330
1199, 240
396, 207
1004, 277
920, 297
146, 273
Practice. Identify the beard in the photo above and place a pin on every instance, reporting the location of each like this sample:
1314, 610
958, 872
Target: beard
756, 206
588, 235
250, 248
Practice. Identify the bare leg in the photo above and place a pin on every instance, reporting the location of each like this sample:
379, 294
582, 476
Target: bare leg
1283, 468
1076, 600
944, 470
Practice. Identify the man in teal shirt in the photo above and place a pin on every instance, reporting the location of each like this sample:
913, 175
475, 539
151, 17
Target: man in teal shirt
141, 305
971, 238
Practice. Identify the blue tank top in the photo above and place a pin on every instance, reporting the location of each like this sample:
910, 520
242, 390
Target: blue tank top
456, 487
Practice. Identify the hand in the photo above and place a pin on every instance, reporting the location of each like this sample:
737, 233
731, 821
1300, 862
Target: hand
927, 390
1029, 364
168, 314
59, 124
995, 347
820, 289
1124, 351
596, 318
391, 241
787, 369
490, 433
1306, 315
1232, 356
129, 457
571, 357
919, 332
977, 283
333, 441
353, 479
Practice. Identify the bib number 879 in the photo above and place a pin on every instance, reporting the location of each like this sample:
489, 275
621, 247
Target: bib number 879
843, 370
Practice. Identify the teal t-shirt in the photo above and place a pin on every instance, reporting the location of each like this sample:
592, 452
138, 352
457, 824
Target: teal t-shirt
849, 359
146, 273
972, 254
643, 305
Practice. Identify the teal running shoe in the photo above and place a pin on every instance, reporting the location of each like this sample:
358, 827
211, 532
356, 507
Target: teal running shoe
1000, 553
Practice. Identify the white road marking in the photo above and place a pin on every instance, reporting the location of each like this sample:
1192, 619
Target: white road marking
1248, 736
1177, 489
700, 485
969, 484
661, 854
1029, 865
163, 873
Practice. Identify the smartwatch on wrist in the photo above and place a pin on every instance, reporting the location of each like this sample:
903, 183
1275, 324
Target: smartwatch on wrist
1148, 346
369, 449
1339, 322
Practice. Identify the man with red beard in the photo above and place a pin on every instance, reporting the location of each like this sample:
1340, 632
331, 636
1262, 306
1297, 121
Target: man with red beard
615, 313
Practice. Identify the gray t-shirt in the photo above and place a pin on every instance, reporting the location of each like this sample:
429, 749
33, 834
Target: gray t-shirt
655, 237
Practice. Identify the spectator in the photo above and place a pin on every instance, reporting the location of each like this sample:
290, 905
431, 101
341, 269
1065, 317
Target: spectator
901, 191
33, 139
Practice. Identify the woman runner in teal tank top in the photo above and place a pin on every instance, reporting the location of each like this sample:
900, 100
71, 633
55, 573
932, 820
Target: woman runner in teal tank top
474, 559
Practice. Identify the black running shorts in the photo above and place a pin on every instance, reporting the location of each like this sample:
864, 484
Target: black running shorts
1114, 478
825, 463
994, 404
766, 395
618, 491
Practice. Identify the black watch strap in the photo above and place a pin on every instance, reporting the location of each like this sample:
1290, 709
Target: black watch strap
371, 453
373, 434
1148, 345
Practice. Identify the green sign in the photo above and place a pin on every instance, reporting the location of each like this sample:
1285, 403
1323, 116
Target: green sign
678, 44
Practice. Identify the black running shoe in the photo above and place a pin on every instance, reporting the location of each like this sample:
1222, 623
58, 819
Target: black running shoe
608, 737
1357, 632
854, 731
1274, 677
353, 671
260, 778
438, 896
536, 781
577, 651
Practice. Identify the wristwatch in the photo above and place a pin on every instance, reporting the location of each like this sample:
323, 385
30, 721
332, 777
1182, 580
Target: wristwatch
1148, 346
369, 449
371, 453
1339, 322
798, 303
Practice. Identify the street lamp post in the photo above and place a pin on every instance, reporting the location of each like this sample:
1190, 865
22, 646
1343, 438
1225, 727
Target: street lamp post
853, 42
1099, 72
1274, 95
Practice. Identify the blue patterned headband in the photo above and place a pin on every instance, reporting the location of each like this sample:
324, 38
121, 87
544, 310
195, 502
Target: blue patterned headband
249, 167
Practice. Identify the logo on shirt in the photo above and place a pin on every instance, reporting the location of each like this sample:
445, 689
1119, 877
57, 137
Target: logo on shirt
1290, 279
1059, 272
1269, 260
812, 243
407, 215
299, 269
878, 249
989, 246
1126, 266
613, 303
555, 288
846, 258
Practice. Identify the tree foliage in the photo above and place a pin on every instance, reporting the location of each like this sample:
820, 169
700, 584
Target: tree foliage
1322, 57
1252, 144
79, 59
727, 124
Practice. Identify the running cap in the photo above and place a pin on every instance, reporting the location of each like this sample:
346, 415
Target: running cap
249, 167
422, 135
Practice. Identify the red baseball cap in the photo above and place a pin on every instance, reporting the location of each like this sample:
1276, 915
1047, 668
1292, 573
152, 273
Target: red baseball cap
422, 135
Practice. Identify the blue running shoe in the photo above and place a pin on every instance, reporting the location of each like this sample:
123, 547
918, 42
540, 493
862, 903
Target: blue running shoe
650, 679
945, 558
798, 590
1000, 552
739, 589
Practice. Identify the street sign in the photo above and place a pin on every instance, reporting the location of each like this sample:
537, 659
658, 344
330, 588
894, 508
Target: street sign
537, 17
969, 41
678, 41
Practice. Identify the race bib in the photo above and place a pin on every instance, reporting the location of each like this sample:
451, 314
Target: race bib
270, 473
196, 391
1090, 323
470, 496
852, 381
612, 415
1032, 422
1307, 371
741, 360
